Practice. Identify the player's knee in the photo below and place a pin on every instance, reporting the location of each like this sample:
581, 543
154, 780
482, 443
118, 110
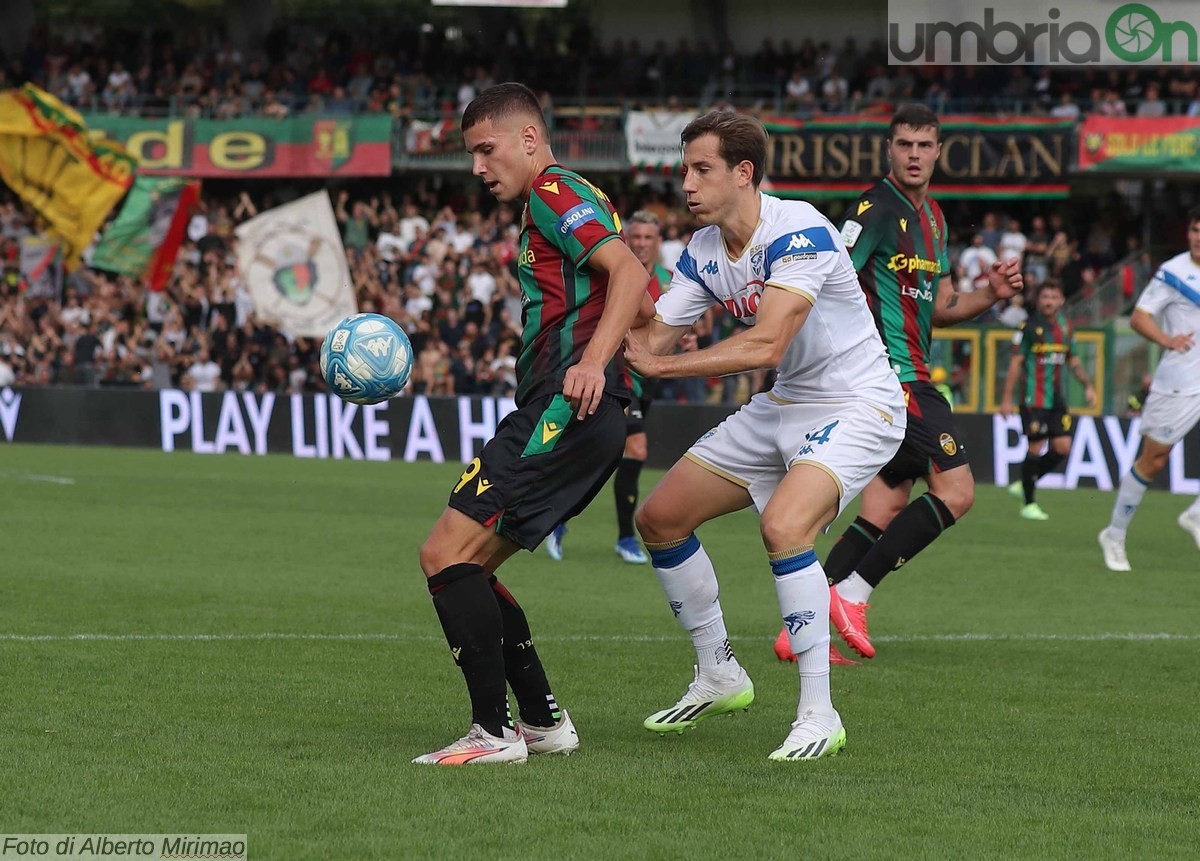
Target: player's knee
430, 557
635, 447
1061, 445
958, 496
782, 532
657, 523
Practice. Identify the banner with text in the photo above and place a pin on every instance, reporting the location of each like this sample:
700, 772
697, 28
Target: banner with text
1140, 145
652, 138
454, 430
295, 146
982, 157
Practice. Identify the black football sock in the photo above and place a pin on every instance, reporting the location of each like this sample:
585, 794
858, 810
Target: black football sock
1049, 462
1035, 467
474, 629
625, 490
914, 529
1029, 477
522, 665
859, 537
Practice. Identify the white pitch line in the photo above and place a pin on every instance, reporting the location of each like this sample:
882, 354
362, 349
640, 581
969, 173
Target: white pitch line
580, 638
28, 476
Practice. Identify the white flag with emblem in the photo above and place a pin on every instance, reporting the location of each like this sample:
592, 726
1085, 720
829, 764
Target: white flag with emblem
292, 259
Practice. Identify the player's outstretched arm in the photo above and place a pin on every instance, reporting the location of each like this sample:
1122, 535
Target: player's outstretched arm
1004, 281
781, 314
627, 280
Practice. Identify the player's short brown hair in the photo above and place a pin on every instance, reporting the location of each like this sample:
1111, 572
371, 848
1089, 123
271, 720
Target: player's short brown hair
914, 116
1193, 215
503, 100
740, 138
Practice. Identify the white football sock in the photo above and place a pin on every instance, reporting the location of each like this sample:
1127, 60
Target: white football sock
690, 583
1129, 497
803, 595
855, 589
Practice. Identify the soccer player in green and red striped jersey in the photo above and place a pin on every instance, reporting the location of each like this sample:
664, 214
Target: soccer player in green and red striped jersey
582, 289
1042, 347
896, 236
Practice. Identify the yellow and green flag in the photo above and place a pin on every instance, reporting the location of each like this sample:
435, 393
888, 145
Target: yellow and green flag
48, 158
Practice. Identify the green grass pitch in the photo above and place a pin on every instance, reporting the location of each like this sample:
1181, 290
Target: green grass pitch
264, 659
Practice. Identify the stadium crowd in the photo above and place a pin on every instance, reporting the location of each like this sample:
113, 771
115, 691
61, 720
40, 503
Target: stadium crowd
414, 68
447, 273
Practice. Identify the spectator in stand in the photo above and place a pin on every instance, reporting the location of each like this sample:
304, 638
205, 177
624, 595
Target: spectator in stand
835, 92
1152, 105
975, 261
1036, 260
1110, 104
798, 92
1013, 242
1066, 109
990, 231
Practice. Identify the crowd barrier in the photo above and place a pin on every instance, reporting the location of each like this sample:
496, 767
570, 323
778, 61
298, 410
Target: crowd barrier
455, 429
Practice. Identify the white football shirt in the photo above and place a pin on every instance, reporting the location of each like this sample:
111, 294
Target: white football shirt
838, 354
1173, 298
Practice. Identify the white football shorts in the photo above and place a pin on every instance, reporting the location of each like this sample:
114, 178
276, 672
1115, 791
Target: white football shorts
1168, 418
757, 445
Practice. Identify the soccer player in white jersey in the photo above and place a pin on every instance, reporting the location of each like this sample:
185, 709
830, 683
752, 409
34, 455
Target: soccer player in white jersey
799, 453
1168, 313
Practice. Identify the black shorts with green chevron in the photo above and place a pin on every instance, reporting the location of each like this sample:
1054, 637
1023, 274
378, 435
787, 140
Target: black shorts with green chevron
541, 468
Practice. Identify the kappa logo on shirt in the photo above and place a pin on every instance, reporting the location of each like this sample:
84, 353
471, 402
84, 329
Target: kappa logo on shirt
799, 242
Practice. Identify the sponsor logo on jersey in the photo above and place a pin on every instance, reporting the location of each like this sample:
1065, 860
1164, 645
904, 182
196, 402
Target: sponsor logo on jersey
799, 242
483, 487
577, 217
551, 187
710, 268
527, 258
911, 263
949, 446
904, 224
850, 233
925, 295
757, 254
863, 206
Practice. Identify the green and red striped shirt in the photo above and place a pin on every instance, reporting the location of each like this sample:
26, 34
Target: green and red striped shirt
1045, 346
900, 255
565, 220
